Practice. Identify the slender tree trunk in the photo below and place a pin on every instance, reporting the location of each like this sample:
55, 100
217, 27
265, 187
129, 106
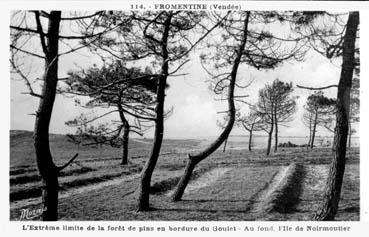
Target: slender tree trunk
48, 170
125, 140
250, 139
350, 134
270, 134
310, 133
331, 198
225, 144
276, 132
195, 159
126, 128
314, 130
146, 173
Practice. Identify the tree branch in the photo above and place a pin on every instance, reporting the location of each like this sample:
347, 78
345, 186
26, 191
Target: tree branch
316, 88
28, 84
41, 33
60, 168
24, 29
73, 37
201, 38
80, 17
26, 52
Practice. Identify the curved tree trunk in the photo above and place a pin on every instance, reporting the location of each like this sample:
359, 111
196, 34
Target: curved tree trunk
48, 170
146, 173
333, 187
193, 160
182, 184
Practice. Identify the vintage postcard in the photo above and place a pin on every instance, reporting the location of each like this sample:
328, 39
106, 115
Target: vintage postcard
201, 117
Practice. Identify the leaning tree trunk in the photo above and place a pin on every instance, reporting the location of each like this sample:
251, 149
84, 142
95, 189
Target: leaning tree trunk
193, 160
328, 209
314, 130
48, 170
146, 173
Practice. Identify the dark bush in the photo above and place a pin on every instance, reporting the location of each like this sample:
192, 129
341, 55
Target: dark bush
287, 144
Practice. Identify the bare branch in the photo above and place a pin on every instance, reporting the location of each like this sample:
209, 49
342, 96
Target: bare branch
179, 67
316, 88
60, 168
81, 17
27, 52
24, 29
32, 94
41, 33
240, 96
25, 79
94, 119
223, 112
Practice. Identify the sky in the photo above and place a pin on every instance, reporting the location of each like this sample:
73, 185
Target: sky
195, 112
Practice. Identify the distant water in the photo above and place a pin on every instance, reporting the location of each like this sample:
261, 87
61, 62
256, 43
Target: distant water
241, 142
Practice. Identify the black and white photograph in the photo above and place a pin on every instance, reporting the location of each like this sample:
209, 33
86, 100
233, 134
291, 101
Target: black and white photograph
179, 112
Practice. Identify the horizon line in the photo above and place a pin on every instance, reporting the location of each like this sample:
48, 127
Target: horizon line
199, 137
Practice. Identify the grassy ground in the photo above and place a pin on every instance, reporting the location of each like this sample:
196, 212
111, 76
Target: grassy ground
225, 186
